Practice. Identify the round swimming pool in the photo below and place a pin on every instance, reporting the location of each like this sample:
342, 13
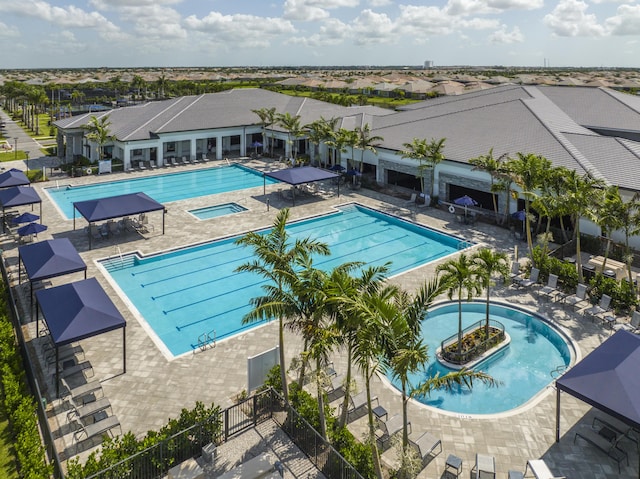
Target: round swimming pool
523, 368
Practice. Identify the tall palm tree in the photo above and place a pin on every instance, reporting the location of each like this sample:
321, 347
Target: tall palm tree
274, 260
321, 131
366, 142
98, 131
528, 172
342, 289
267, 119
138, 83
493, 166
459, 278
630, 218
609, 216
581, 192
489, 263
339, 141
291, 123
417, 150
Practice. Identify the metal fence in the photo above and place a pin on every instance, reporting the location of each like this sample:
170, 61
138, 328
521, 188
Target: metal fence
46, 433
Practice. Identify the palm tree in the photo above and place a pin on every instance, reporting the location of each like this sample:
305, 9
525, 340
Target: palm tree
581, 192
629, 215
339, 141
609, 216
458, 277
138, 83
275, 258
267, 119
320, 131
528, 172
488, 263
417, 150
292, 125
435, 156
364, 142
162, 83
493, 166
98, 132
343, 289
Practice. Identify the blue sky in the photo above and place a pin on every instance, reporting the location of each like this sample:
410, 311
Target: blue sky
140, 33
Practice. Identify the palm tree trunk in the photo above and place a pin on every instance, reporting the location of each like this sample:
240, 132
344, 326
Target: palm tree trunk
283, 368
459, 321
320, 391
372, 429
347, 392
303, 365
486, 325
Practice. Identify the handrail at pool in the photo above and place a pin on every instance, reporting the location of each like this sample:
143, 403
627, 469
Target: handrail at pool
464, 356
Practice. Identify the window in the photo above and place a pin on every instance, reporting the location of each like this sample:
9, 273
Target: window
171, 146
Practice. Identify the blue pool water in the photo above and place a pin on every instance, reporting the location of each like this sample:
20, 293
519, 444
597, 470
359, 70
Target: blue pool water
215, 211
163, 188
524, 367
184, 293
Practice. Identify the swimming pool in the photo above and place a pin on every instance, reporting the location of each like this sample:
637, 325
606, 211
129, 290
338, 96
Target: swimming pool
524, 367
185, 293
215, 211
163, 188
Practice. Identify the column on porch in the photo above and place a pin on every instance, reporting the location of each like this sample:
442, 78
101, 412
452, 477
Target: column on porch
219, 146
192, 148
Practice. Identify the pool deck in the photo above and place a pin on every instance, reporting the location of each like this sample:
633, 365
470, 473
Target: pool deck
155, 389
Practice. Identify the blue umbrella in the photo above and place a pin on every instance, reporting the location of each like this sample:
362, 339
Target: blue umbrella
465, 201
256, 144
25, 218
519, 215
31, 229
353, 172
337, 167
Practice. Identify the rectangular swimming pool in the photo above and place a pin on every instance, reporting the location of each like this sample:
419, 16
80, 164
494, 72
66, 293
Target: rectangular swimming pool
163, 188
185, 293
216, 211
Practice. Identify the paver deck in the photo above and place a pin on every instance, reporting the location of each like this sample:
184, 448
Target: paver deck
155, 389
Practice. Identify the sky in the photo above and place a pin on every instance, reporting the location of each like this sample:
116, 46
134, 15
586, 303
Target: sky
263, 33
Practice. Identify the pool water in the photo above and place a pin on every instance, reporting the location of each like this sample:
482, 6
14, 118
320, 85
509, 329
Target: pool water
216, 211
163, 188
524, 367
185, 293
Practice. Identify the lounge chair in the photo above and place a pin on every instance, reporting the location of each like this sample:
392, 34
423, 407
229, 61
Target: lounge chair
335, 384
412, 199
359, 401
619, 427
153, 165
597, 310
64, 354
69, 370
633, 326
98, 428
531, 280
515, 275
88, 410
82, 394
599, 441
579, 299
114, 228
141, 165
390, 428
551, 289
184, 160
426, 445
540, 469
485, 466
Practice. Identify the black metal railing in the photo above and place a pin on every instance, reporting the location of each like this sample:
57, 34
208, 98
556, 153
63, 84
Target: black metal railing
467, 353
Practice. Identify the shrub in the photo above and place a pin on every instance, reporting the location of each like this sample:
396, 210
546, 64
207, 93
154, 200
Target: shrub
623, 294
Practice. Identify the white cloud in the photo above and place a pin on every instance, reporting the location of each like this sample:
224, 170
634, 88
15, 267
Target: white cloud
240, 30
502, 36
7, 31
370, 27
380, 3
626, 21
155, 22
421, 21
483, 7
106, 4
570, 19
314, 10
331, 32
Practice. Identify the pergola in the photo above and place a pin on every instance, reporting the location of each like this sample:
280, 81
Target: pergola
77, 311
300, 175
13, 177
48, 259
19, 196
116, 207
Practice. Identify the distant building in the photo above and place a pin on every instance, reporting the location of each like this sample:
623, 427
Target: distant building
428, 64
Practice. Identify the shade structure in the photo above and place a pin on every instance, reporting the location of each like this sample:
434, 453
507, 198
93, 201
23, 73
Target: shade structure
465, 201
301, 175
337, 167
353, 172
77, 311
519, 215
31, 229
25, 218
256, 144
116, 207
48, 259
607, 379
13, 177
18, 196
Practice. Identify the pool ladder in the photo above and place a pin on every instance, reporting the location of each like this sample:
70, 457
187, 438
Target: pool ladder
464, 245
559, 371
207, 340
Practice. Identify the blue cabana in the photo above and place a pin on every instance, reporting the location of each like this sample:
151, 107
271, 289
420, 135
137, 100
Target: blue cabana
300, 175
116, 207
13, 177
18, 196
77, 311
48, 259
607, 379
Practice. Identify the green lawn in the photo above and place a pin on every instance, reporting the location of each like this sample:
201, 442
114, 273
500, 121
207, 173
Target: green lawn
7, 453
11, 156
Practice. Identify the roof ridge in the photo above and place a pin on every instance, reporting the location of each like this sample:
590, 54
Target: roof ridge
194, 100
172, 103
537, 97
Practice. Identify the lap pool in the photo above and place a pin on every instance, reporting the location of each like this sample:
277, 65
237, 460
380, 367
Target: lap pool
524, 367
191, 291
163, 188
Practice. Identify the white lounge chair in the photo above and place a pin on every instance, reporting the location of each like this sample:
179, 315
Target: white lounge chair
632, 326
540, 470
579, 299
335, 384
597, 310
390, 428
485, 466
551, 289
531, 280
426, 445
412, 200
359, 401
